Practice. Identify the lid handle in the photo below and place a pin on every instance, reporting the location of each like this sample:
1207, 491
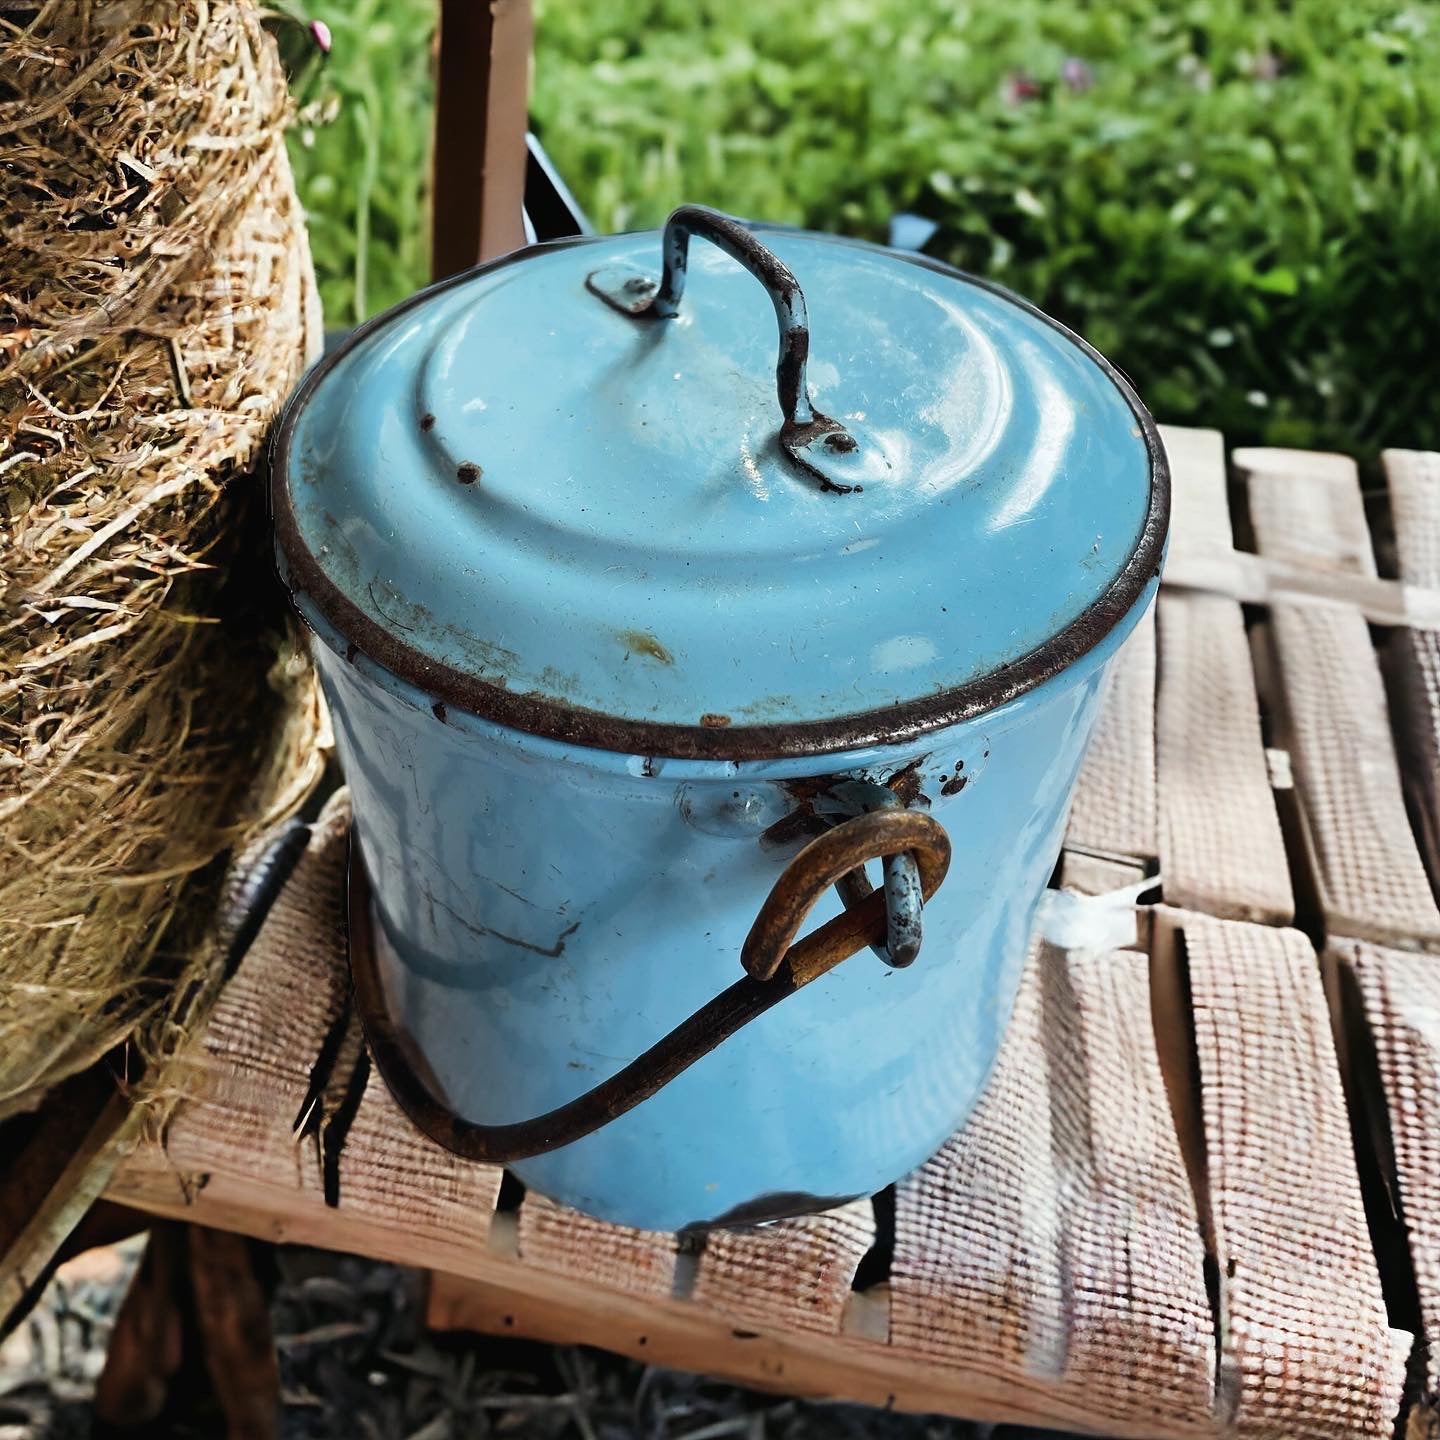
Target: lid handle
824, 448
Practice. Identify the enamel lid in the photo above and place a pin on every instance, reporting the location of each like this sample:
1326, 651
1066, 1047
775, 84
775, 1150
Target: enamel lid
615, 508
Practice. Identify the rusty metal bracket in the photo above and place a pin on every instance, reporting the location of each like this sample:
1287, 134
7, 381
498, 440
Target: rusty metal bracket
904, 897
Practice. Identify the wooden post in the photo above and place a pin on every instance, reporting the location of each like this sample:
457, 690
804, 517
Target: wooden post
481, 116
193, 1335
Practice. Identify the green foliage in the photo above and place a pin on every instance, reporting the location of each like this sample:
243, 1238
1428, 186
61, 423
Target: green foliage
361, 149
1237, 200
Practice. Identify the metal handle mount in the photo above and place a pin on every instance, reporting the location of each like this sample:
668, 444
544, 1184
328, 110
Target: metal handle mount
832, 453
776, 964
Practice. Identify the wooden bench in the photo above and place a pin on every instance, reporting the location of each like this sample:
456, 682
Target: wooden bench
1176, 1211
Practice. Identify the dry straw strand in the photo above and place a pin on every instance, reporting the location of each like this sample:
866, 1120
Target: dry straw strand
156, 305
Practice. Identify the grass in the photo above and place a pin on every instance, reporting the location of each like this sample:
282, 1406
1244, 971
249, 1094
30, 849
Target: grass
361, 149
1238, 202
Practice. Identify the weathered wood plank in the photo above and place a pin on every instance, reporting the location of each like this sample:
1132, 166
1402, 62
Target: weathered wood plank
795, 1275
682, 1336
1221, 849
1087, 874
1415, 661
1413, 477
1058, 1278
1266, 580
1306, 507
1054, 1240
1200, 508
592, 1252
1306, 1347
482, 1286
231, 1162
1113, 812
1413, 480
1401, 995
1368, 872
70, 1157
250, 1077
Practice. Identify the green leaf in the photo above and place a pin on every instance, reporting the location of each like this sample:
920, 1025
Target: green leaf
1279, 280
1181, 197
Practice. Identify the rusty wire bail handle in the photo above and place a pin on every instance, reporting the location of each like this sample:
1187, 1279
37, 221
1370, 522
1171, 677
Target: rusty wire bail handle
826, 450
776, 964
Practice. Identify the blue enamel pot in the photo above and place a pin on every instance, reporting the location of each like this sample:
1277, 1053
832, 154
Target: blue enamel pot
710, 705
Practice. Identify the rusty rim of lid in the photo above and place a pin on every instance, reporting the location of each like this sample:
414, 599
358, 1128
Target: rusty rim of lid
556, 720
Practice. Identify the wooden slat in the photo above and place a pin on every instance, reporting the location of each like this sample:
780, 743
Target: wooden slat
234, 1142
1054, 1241
1087, 874
1049, 1265
793, 1275
1413, 479
1200, 511
1305, 1344
1368, 873
254, 1180
483, 1286
1306, 507
591, 1252
1414, 482
1324, 467
1221, 849
1203, 559
1113, 812
1416, 665
682, 1336
1401, 993
1267, 580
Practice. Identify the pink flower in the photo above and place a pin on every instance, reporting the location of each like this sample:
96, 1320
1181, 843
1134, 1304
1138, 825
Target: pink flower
320, 31
1019, 87
1077, 75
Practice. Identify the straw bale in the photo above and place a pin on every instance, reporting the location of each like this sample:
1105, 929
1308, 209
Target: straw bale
156, 304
